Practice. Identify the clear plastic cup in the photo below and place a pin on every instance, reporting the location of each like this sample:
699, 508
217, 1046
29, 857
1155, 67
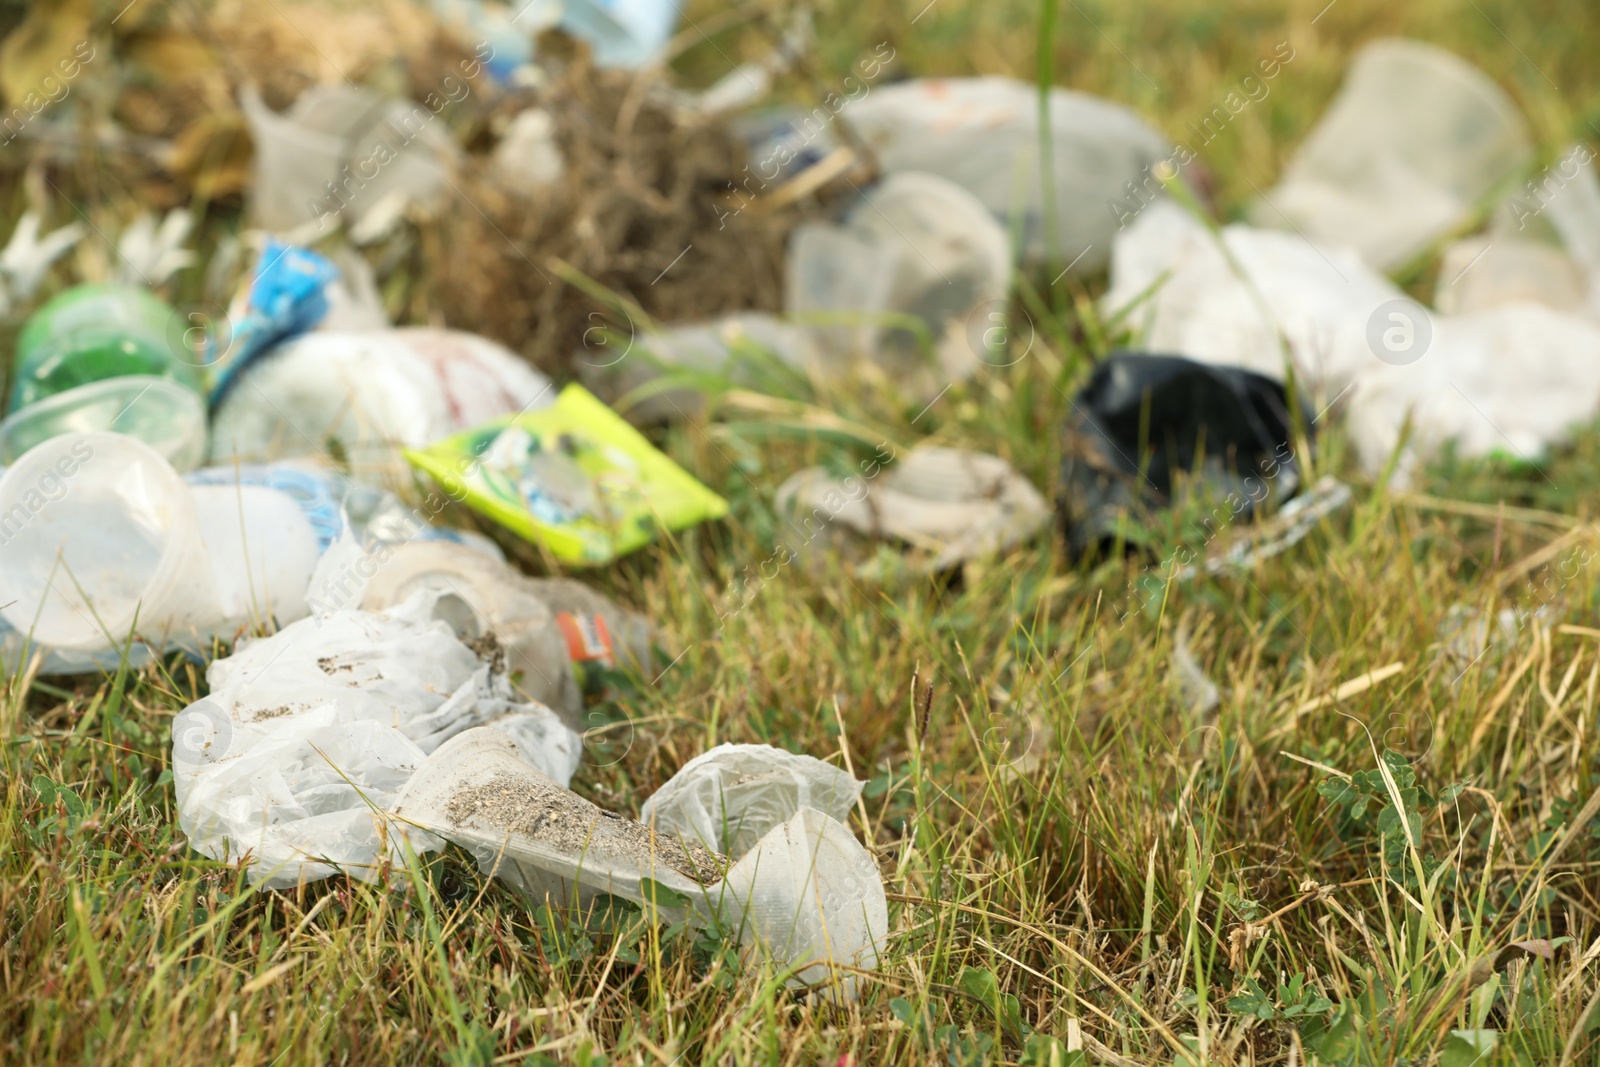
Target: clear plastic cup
166, 416
99, 534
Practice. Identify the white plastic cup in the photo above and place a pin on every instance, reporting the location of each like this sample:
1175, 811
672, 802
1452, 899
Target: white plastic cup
98, 534
260, 550
165, 415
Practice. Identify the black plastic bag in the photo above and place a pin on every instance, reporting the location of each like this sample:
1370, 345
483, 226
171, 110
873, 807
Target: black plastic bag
1143, 418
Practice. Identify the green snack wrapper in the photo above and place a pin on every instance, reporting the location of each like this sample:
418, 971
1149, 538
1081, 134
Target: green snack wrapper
573, 477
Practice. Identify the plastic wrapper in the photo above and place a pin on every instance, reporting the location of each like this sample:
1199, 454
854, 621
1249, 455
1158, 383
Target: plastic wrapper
384, 690
732, 796
574, 478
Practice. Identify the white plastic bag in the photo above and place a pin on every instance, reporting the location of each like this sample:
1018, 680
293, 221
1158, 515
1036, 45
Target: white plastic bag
730, 797
370, 394
1183, 296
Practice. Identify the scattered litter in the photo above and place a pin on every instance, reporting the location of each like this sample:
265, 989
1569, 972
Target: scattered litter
168, 417
150, 256
1484, 272
550, 633
1200, 694
528, 158
309, 735
983, 135
27, 256
730, 797
808, 895
1144, 423
287, 295
947, 505
917, 249
1255, 299
101, 530
1277, 534
361, 397
573, 477
623, 33
1415, 142
93, 332
341, 153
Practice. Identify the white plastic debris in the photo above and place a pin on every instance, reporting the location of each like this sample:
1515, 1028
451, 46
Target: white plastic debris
983, 135
100, 532
732, 796
807, 895
948, 505
1488, 271
148, 255
547, 647
1415, 141
528, 158
1511, 380
27, 256
338, 154
915, 246
370, 394
1178, 284
383, 689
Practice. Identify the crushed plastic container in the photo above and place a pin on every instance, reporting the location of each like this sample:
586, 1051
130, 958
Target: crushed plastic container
1416, 140
574, 478
946, 506
93, 332
363, 396
99, 531
310, 735
807, 895
168, 417
983, 135
915, 247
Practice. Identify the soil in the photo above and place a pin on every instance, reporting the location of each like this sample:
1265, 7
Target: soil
551, 815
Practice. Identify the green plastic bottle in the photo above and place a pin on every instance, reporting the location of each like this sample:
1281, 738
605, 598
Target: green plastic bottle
93, 332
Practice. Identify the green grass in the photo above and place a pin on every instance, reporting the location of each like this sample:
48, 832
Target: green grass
1071, 849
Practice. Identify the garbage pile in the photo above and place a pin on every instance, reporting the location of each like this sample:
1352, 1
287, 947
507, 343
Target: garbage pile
314, 501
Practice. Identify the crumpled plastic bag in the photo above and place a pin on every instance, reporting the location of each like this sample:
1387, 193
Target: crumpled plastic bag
949, 505
382, 690
807, 895
370, 394
731, 796
1297, 300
